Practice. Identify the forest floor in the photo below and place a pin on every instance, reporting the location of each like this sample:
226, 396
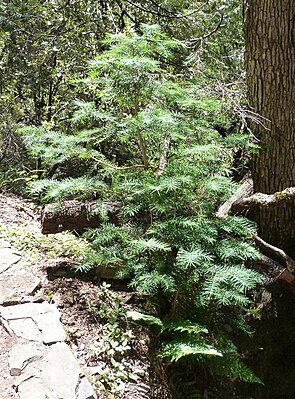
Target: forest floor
115, 355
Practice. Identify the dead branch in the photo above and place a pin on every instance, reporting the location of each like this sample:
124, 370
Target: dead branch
244, 190
244, 199
264, 246
275, 271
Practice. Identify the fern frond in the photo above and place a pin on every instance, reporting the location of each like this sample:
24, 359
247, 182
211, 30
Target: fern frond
228, 285
185, 326
238, 226
80, 188
179, 348
231, 366
145, 318
154, 282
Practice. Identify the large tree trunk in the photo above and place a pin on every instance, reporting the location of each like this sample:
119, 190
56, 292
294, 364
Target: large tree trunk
270, 62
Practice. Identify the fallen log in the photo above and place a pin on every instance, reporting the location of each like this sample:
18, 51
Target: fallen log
75, 215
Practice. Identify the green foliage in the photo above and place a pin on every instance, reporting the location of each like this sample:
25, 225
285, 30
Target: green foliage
33, 245
80, 188
149, 144
177, 349
114, 342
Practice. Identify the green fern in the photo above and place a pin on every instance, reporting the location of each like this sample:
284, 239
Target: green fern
197, 257
179, 348
151, 245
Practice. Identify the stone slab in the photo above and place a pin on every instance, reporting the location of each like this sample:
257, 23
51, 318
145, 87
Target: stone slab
32, 388
26, 329
15, 286
23, 354
7, 259
86, 390
61, 372
35, 322
50, 327
4, 244
27, 310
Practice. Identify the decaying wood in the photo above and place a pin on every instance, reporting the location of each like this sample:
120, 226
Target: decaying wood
74, 215
244, 199
245, 190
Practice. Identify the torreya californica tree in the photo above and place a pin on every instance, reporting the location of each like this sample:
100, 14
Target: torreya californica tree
148, 144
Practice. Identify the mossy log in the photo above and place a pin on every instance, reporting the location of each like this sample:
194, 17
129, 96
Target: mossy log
75, 215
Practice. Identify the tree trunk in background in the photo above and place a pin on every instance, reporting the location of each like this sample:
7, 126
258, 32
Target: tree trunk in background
270, 63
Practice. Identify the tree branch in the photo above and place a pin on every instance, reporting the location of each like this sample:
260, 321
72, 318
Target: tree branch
206, 35
244, 190
263, 200
264, 246
171, 16
275, 271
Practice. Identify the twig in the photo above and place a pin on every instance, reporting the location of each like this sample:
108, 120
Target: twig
172, 16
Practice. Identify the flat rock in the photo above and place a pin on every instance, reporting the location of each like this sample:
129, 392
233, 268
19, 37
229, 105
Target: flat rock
15, 286
7, 259
23, 354
34, 322
25, 310
61, 372
26, 329
86, 390
51, 328
32, 388
4, 244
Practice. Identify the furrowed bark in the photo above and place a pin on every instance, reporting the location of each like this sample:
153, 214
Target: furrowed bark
270, 65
